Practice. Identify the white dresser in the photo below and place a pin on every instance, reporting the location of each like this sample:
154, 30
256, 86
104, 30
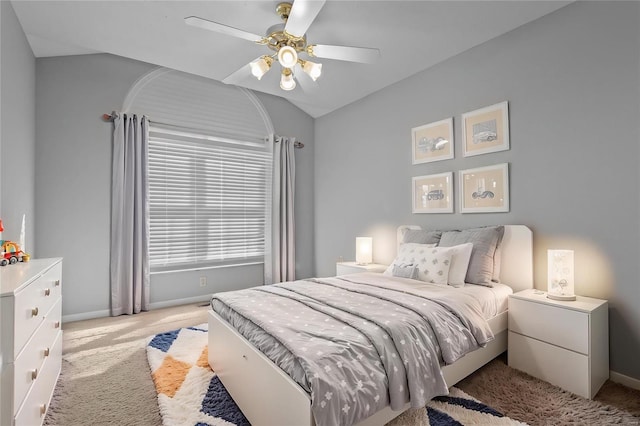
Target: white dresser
563, 343
343, 268
30, 339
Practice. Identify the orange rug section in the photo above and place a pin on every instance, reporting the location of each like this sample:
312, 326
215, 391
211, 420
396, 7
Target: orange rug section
170, 375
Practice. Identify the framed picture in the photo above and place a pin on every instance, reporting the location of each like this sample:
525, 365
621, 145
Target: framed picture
486, 130
433, 193
432, 142
485, 189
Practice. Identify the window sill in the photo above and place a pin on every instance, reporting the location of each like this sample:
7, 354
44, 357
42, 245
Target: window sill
203, 268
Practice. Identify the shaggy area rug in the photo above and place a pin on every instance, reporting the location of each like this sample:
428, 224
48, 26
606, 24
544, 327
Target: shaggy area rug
189, 393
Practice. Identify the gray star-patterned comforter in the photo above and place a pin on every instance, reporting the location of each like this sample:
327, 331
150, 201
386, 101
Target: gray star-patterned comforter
358, 343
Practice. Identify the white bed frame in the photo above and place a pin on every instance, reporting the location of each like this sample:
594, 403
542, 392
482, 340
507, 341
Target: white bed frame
268, 396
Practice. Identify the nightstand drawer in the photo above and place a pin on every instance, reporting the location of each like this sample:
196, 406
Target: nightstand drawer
562, 327
555, 365
344, 268
349, 269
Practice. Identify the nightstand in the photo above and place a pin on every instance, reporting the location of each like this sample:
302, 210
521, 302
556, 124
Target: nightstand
344, 268
563, 343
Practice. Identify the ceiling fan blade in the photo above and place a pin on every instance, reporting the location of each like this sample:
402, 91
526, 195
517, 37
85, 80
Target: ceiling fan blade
194, 21
307, 84
302, 14
238, 76
364, 55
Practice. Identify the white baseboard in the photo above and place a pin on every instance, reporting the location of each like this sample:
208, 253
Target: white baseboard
152, 306
624, 380
85, 316
176, 302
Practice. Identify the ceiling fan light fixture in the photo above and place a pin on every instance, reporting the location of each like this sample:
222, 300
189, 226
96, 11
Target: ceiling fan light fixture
287, 56
286, 81
312, 69
260, 66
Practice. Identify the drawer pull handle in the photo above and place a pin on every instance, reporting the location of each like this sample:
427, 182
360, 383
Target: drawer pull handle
34, 312
46, 352
43, 409
244, 356
47, 291
56, 283
34, 374
56, 324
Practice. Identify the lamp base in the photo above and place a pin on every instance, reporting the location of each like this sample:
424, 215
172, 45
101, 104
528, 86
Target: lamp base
565, 297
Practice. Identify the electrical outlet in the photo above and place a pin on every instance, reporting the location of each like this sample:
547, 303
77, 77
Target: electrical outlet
203, 281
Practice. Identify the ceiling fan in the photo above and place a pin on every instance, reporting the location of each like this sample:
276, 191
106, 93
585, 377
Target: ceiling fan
288, 42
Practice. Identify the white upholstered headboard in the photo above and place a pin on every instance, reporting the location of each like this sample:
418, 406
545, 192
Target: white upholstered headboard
516, 266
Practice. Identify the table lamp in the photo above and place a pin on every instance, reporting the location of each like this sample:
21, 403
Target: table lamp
560, 284
364, 250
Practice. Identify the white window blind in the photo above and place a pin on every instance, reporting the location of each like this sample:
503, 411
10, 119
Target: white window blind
207, 200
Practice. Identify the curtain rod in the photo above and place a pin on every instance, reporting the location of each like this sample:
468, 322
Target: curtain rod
110, 117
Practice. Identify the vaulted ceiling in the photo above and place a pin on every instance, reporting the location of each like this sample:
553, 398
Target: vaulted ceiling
411, 36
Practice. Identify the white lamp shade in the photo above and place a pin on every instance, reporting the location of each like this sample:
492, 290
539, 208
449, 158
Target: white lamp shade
287, 56
260, 67
286, 81
560, 280
364, 250
312, 69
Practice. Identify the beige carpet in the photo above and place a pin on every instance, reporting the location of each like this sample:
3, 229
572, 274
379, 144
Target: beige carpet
106, 380
105, 377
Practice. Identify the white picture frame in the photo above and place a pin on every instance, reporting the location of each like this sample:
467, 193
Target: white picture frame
486, 130
432, 142
484, 189
432, 193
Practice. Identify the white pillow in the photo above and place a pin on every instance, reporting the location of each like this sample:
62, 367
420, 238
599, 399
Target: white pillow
406, 255
433, 263
461, 254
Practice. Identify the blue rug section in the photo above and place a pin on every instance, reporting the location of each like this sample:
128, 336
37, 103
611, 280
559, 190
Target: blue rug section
164, 341
438, 418
197, 329
469, 404
218, 403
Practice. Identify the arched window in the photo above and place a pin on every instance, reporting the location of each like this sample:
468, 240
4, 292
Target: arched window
209, 162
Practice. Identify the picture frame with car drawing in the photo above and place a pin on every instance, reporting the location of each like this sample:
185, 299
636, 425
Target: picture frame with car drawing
486, 130
433, 193
432, 142
484, 189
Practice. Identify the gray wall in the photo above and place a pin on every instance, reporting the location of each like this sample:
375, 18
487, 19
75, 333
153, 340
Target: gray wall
73, 160
73, 169
17, 134
572, 82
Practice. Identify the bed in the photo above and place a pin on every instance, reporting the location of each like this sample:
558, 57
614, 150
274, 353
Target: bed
269, 396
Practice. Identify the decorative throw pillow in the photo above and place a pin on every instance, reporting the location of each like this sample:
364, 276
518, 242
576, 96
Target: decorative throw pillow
432, 263
460, 256
405, 271
406, 252
485, 240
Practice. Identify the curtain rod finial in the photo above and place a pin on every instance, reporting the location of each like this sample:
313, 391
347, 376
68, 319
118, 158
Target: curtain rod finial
107, 117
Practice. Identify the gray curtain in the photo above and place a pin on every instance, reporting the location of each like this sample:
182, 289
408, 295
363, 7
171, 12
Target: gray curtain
280, 258
129, 268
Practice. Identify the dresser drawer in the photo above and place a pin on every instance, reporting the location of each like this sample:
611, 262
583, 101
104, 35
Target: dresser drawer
34, 408
28, 366
562, 327
33, 302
